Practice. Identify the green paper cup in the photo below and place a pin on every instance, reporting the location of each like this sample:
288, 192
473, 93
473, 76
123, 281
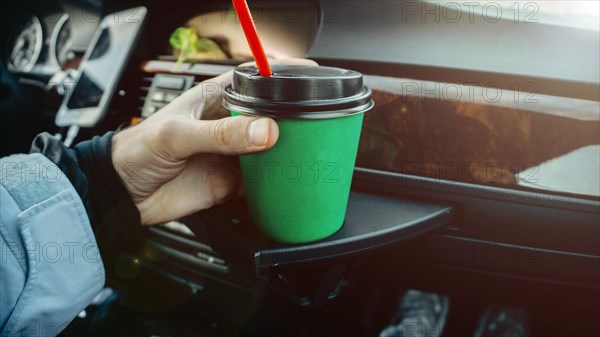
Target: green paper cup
298, 191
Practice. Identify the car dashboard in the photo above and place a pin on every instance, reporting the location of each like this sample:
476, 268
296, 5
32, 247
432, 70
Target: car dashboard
476, 177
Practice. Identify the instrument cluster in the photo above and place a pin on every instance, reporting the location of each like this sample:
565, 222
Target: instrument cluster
46, 42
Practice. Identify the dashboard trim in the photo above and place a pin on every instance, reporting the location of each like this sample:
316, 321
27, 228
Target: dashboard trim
362, 177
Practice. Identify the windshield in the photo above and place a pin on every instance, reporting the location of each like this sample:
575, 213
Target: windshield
582, 14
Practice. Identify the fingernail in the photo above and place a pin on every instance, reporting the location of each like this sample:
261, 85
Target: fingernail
258, 133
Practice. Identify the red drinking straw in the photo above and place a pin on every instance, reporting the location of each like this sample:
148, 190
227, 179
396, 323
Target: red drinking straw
243, 12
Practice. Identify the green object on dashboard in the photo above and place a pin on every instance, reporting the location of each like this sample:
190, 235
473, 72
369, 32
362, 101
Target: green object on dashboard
193, 47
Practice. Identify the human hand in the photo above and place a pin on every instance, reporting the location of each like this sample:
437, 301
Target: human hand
178, 161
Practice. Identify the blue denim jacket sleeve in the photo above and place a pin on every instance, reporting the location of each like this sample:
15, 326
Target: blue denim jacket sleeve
50, 266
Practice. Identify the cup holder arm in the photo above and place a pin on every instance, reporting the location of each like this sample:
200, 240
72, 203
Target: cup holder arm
372, 221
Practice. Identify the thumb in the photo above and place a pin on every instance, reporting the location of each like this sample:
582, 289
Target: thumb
230, 136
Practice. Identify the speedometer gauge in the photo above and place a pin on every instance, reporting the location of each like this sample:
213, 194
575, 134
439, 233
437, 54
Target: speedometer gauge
62, 40
27, 46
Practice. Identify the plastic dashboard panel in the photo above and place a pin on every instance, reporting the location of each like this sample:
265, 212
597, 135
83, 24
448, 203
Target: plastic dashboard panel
517, 233
371, 222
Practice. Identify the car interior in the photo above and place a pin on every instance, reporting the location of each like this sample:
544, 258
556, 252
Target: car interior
476, 194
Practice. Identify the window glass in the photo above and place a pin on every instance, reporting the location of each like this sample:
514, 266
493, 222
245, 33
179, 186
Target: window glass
580, 13
483, 135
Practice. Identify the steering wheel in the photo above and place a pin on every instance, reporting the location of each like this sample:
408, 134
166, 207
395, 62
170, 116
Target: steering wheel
22, 112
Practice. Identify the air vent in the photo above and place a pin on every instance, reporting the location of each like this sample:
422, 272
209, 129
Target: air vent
164, 81
144, 88
172, 249
184, 249
161, 83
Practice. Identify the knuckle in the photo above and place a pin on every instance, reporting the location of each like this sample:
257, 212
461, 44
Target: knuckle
220, 195
219, 133
164, 134
225, 182
221, 191
166, 130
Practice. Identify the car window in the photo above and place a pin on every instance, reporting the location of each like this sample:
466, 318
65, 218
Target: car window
526, 40
498, 93
483, 135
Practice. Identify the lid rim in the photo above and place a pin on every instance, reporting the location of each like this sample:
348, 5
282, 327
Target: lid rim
231, 94
303, 115
298, 92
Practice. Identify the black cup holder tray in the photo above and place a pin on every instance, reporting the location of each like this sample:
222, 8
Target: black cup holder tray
371, 221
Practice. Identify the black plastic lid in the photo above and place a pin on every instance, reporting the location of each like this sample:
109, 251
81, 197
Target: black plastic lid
298, 92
